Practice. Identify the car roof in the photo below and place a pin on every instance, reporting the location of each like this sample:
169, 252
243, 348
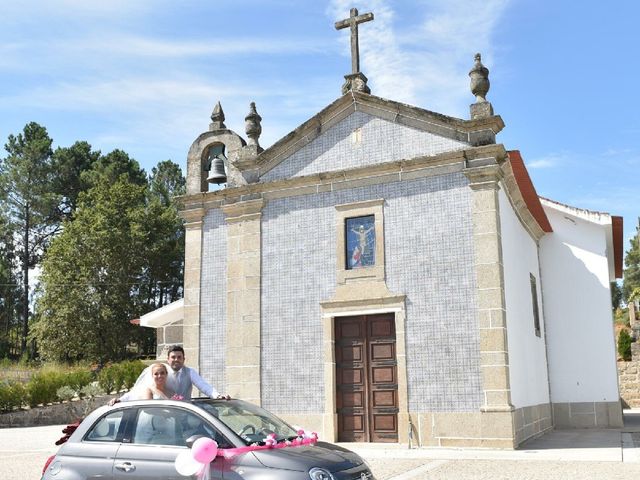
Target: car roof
192, 405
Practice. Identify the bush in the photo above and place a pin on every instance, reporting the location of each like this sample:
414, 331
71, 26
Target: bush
43, 387
90, 391
624, 345
119, 375
65, 393
132, 371
106, 379
50, 385
19, 392
78, 380
12, 395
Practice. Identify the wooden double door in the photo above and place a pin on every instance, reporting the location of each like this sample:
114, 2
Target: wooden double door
366, 378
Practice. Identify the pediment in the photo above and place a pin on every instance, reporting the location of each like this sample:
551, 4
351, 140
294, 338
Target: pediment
358, 130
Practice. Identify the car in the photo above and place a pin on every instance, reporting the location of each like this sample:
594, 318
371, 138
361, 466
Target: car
140, 440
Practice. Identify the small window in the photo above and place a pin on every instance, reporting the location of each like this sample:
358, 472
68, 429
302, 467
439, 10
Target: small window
360, 242
106, 429
534, 301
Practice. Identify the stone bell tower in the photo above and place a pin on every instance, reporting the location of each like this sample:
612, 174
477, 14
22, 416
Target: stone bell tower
220, 155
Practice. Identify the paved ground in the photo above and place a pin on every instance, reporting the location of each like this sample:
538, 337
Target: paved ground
23, 451
559, 455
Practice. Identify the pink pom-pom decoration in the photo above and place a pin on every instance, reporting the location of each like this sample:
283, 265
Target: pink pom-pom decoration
186, 465
204, 450
270, 442
307, 435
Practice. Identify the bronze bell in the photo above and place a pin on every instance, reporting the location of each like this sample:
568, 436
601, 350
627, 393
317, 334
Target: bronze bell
217, 173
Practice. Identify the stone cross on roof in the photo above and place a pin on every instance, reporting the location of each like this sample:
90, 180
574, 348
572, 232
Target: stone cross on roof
352, 22
355, 81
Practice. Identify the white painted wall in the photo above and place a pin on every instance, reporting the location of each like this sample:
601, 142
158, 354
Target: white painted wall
527, 356
577, 306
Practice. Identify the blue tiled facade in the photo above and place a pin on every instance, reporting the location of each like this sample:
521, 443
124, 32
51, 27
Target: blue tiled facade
379, 141
213, 296
429, 258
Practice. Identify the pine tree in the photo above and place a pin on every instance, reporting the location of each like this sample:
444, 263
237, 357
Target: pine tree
632, 271
29, 203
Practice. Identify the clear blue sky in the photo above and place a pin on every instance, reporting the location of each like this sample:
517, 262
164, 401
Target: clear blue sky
144, 75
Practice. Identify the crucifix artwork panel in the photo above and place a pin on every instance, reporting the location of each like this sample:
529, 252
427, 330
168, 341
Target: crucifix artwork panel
360, 242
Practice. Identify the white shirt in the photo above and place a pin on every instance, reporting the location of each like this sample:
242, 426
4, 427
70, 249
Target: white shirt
198, 382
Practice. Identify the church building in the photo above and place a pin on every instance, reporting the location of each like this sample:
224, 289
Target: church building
384, 273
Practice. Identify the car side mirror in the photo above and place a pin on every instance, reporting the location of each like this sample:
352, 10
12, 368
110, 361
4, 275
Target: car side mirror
191, 440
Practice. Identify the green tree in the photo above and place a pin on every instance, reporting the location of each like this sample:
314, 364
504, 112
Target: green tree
624, 345
90, 273
631, 279
29, 203
112, 166
161, 280
616, 295
71, 165
164, 254
167, 181
9, 291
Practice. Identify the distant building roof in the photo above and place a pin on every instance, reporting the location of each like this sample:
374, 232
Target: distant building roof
528, 191
166, 315
614, 233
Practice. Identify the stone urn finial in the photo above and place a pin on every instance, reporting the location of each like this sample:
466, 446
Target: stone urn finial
252, 125
479, 80
217, 118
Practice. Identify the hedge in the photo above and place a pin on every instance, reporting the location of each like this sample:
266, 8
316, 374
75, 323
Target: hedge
12, 396
46, 387
120, 375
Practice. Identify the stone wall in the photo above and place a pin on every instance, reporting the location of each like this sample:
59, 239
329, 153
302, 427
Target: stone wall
532, 421
568, 415
166, 337
56, 414
629, 378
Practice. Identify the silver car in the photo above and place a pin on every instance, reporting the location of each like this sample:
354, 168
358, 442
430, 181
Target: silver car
140, 441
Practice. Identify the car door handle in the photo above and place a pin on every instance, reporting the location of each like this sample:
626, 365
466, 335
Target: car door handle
126, 467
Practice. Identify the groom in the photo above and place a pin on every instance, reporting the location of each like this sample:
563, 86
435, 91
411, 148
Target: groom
181, 379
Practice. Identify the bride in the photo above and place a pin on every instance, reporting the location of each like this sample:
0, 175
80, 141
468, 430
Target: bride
156, 386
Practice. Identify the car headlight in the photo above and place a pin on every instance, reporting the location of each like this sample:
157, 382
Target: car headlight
320, 474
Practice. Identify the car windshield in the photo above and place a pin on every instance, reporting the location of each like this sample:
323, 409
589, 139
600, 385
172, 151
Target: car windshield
250, 422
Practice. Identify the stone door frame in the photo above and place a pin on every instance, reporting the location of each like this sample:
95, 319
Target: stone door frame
371, 388
392, 304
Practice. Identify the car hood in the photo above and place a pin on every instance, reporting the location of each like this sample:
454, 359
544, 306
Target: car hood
302, 458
